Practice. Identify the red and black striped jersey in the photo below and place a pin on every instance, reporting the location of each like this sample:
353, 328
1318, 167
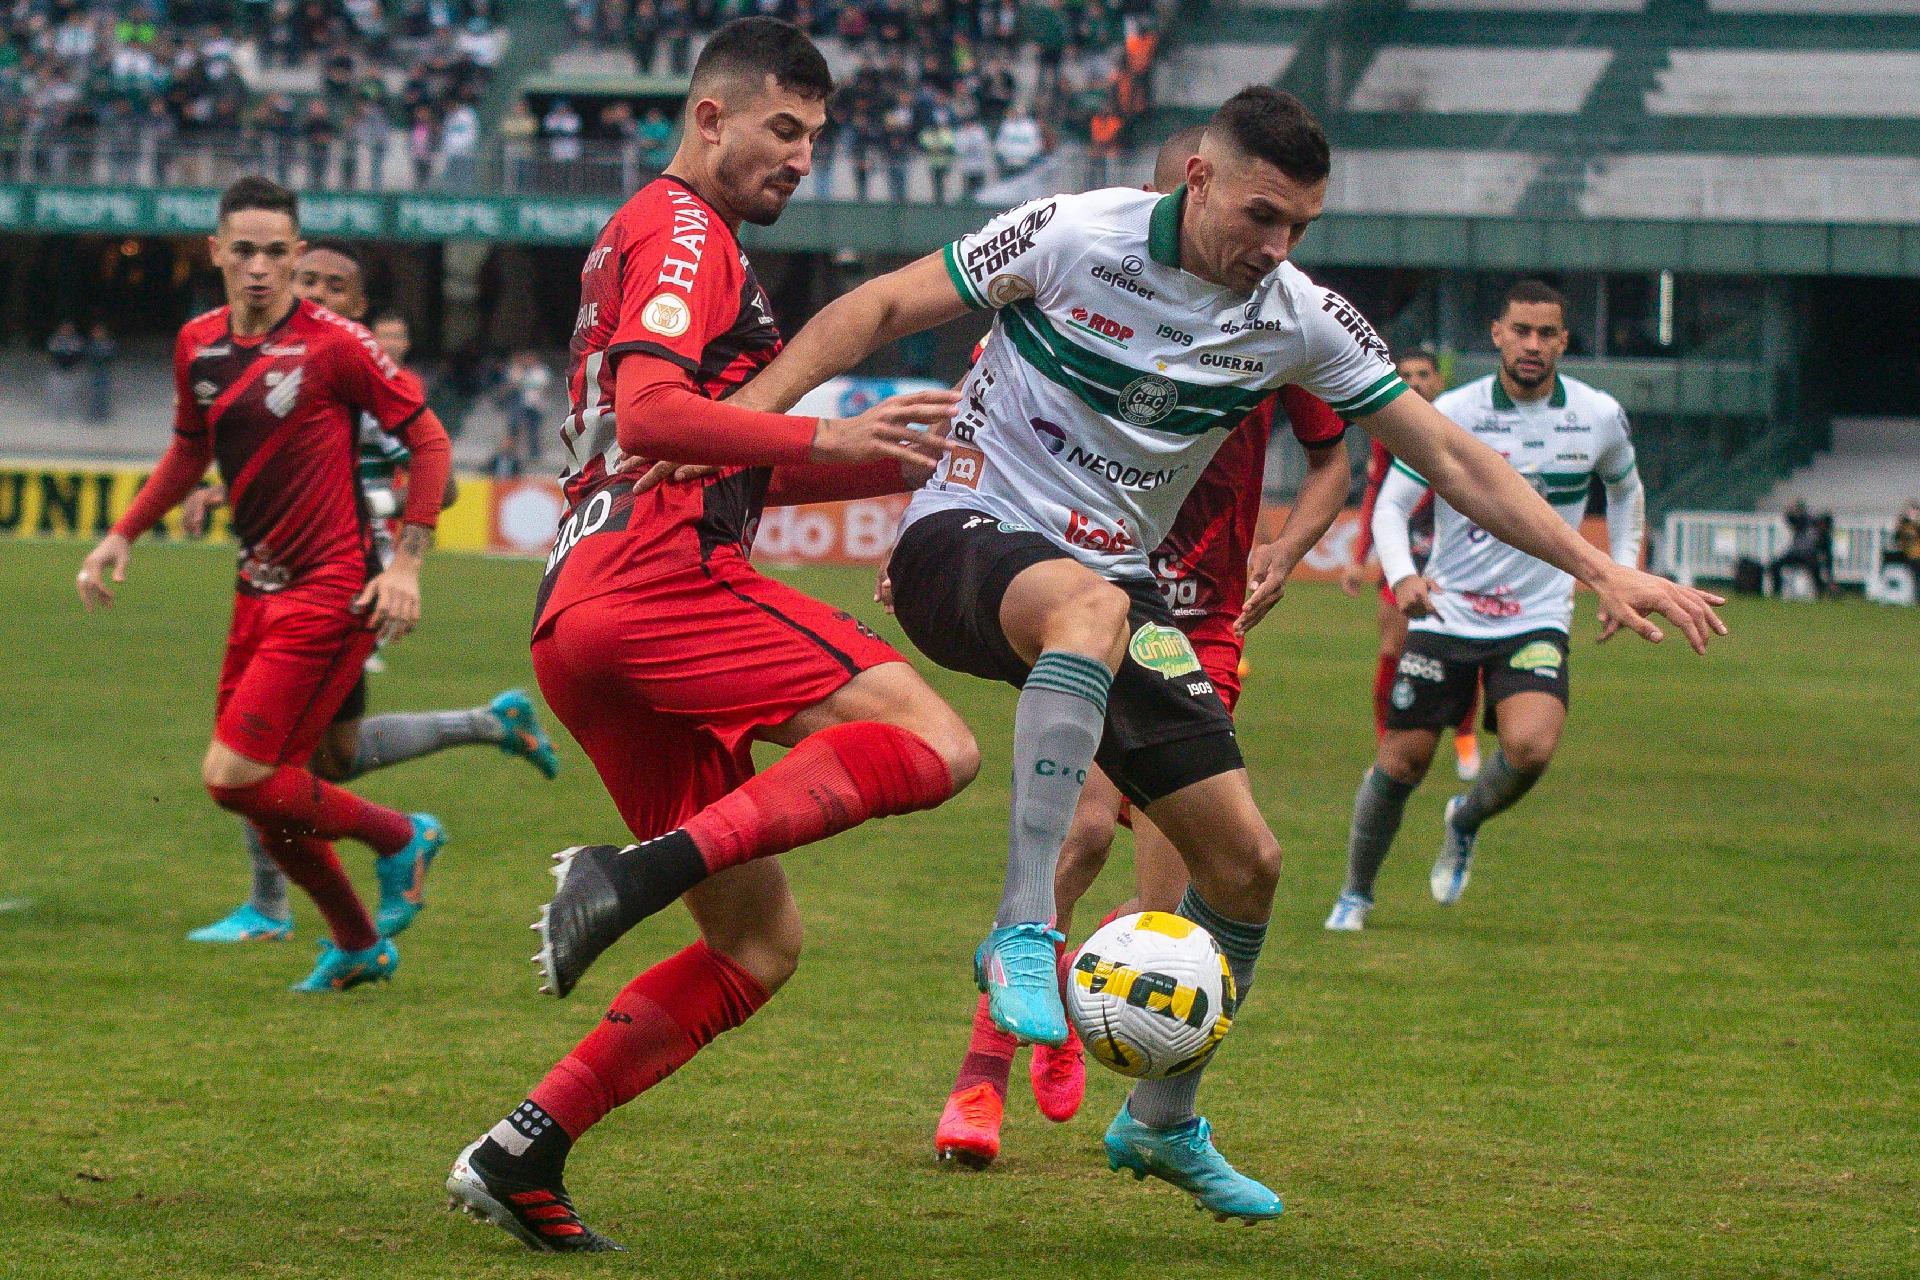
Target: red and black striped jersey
665, 278
1202, 564
1419, 523
280, 413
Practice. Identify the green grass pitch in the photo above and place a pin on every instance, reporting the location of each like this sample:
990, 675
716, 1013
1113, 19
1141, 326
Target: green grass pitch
1673, 1030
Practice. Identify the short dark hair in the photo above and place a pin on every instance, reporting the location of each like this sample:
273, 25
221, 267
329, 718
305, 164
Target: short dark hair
1272, 125
758, 47
387, 316
1534, 291
340, 247
1402, 354
256, 192
1172, 157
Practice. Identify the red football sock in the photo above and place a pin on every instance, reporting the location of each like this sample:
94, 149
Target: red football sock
657, 1022
1383, 676
835, 779
313, 865
989, 1054
302, 804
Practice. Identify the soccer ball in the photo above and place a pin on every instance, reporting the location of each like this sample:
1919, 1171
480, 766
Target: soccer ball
1151, 995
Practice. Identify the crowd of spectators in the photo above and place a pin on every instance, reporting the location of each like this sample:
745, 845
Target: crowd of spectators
371, 94
934, 83
98, 90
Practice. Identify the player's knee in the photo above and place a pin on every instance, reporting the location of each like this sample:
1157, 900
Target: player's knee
1092, 621
954, 743
224, 771
1246, 880
1529, 755
1404, 762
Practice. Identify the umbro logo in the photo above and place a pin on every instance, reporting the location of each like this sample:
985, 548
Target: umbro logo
204, 392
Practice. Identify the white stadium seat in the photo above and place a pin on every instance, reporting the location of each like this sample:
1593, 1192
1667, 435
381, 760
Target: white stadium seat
1491, 80
1769, 82
1754, 187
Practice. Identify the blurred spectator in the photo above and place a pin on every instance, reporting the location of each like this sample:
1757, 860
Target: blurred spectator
1905, 546
973, 155
1809, 547
66, 349
618, 126
421, 144
526, 390
460, 144
656, 140
368, 135
517, 133
562, 127
1018, 142
100, 351
318, 137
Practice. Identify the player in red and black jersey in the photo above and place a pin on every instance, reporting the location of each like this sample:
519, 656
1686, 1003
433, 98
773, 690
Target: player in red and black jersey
667, 655
329, 276
1205, 567
270, 387
1420, 371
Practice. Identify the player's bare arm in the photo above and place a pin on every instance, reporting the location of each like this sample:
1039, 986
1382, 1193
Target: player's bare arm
391, 600
915, 298
654, 405
1322, 496
1480, 484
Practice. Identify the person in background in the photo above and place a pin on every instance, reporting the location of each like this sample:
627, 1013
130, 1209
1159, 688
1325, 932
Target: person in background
527, 380
973, 155
66, 349
1905, 545
1809, 547
101, 349
1018, 142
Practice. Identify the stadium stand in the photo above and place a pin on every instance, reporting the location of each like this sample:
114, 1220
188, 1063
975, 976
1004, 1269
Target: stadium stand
1793, 82
1406, 78
1872, 469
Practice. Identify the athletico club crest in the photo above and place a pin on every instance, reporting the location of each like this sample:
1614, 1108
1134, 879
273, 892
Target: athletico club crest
1146, 400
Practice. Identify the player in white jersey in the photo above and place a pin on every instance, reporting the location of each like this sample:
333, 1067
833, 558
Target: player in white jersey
1132, 332
1486, 612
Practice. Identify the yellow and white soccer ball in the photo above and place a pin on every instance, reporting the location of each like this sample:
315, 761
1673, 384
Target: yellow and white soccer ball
1151, 995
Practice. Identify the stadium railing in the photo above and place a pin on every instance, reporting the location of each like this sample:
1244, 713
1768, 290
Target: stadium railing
1711, 544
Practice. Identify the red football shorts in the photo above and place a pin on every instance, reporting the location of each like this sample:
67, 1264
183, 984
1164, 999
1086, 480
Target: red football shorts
664, 683
291, 660
1219, 651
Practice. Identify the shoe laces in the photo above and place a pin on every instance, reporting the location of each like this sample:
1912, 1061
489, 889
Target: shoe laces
1058, 1062
1027, 954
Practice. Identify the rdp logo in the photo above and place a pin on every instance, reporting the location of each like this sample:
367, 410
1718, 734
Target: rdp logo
1102, 325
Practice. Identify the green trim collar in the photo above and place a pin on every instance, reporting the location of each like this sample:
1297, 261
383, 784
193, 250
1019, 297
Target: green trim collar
1556, 399
1163, 227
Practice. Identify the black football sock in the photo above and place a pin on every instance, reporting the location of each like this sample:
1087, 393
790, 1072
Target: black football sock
650, 876
528, 1147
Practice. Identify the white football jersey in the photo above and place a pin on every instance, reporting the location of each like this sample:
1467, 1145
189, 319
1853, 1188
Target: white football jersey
1487, 588
1111, 375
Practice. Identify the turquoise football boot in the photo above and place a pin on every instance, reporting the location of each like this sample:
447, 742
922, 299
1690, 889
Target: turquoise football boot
1184, 1155
403, 875
244, 924
524, 736
338, 970
1016, 967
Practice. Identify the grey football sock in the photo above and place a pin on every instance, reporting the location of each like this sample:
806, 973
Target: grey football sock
1162, 1104
1056, 728
1497, 789
269, 895
389, 739
1377, 808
